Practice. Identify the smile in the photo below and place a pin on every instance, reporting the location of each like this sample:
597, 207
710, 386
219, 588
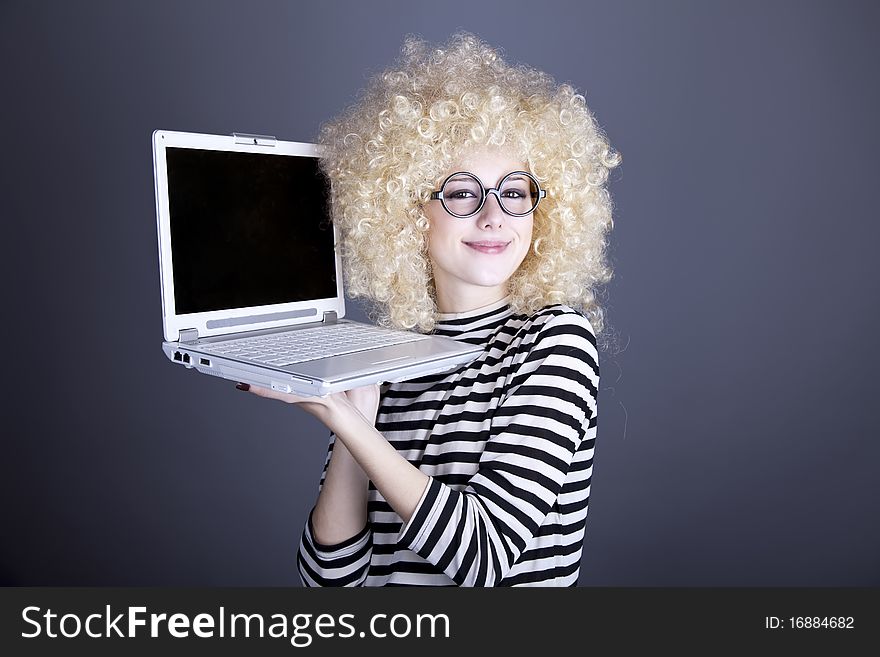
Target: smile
488, 247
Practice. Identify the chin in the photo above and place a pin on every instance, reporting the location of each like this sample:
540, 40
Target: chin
490, 281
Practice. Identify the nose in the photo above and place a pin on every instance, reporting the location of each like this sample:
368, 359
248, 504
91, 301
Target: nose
491, 214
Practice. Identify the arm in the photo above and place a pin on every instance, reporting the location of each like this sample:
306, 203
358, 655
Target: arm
341, 509
476, 535
339, 554
335, 547
358, 454
401, 484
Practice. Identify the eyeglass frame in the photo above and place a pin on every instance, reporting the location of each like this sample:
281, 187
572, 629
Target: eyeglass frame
438, 194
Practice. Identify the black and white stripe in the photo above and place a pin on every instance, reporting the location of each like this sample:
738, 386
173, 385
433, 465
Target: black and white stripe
508, 443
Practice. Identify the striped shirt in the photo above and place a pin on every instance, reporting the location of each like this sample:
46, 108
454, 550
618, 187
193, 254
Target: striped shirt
507, 441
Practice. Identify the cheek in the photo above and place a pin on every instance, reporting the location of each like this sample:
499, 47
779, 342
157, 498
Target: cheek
525, 235
440, 234
435, 243
432, 246
525, 242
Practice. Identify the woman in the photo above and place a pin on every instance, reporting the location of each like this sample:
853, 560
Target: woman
470, 198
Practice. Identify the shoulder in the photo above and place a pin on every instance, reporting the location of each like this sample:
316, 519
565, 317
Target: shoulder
557, 336
555, 357
559, 324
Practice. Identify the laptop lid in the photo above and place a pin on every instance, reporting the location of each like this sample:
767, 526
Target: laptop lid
245, 236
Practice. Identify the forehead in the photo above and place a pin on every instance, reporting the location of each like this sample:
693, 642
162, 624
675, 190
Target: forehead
488, 165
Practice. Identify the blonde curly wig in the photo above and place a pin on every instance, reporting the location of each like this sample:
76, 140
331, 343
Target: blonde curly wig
387, 152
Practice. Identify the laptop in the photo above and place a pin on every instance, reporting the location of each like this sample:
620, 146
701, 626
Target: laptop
251, 276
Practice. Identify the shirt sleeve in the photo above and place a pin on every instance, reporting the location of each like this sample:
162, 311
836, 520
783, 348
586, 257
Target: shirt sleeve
343, 564
476, 534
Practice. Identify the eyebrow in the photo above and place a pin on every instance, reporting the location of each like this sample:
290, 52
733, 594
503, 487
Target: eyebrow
462, 177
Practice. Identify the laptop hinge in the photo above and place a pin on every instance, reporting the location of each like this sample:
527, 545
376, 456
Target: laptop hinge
254, 140
188, 335
330, 317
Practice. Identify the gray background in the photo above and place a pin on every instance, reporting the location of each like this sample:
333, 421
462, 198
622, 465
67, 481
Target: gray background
736, 437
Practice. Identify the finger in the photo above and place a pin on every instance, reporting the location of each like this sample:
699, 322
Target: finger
268, 393
364, 390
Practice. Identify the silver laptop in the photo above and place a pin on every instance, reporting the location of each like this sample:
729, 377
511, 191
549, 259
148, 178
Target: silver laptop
252, 286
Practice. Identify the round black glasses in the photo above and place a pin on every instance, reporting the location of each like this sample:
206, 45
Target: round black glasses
463, 195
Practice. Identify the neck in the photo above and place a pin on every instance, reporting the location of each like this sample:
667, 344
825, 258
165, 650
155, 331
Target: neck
470, 298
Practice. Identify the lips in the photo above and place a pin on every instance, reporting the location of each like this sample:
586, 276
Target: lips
493, 246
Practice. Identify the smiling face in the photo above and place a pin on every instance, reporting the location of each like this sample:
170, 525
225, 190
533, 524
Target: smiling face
473, 258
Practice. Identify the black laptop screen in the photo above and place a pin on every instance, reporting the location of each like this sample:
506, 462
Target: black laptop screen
248, 229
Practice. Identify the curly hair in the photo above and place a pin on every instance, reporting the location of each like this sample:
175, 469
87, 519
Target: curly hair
384, 154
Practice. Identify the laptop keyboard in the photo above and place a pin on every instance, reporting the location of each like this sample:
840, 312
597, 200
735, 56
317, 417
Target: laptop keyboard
303, 345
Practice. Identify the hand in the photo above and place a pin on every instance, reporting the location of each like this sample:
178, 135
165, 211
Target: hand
364, 400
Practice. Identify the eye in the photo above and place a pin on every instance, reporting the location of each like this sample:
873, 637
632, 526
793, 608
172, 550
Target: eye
514, 193
460, 193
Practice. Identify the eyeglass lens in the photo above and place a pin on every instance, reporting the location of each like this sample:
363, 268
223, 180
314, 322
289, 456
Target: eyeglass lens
463, 194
